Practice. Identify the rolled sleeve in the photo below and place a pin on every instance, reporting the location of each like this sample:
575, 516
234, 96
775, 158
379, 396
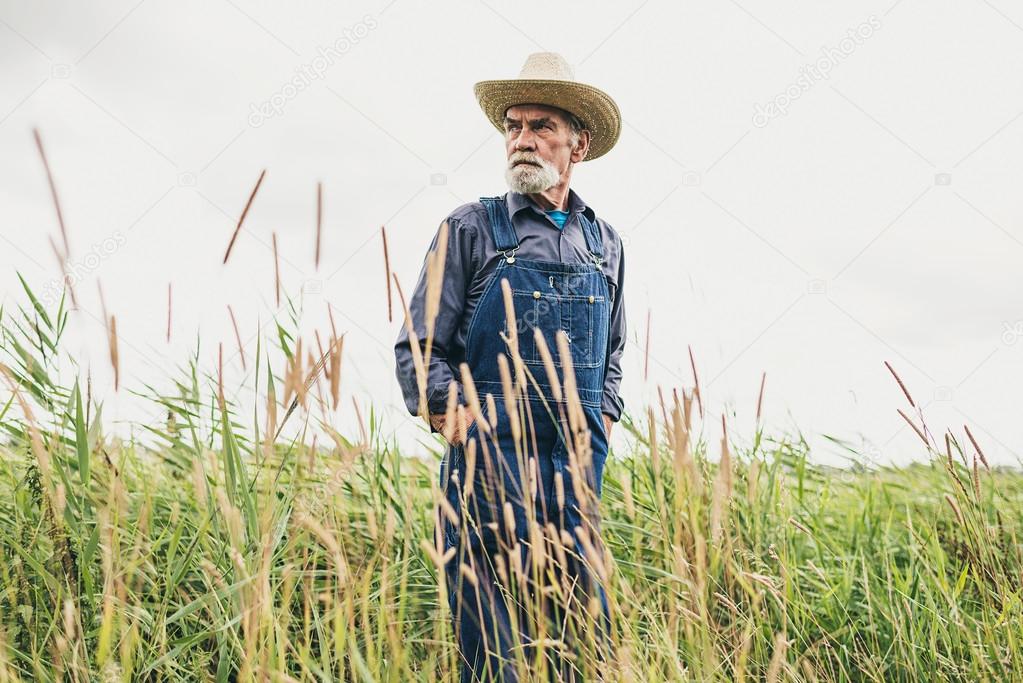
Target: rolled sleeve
611, 401
458, 271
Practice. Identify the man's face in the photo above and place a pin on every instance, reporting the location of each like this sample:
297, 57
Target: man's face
539, 144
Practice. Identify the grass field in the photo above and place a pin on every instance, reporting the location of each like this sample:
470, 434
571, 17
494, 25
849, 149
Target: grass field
215, 552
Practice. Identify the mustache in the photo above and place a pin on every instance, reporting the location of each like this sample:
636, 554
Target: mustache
525, 159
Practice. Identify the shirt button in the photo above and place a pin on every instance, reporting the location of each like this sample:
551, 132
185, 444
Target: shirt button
536, 294
591, 299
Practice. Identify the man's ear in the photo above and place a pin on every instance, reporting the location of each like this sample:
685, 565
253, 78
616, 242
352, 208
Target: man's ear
582, 147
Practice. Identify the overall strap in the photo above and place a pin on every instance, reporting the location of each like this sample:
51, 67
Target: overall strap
501, 226
591, 231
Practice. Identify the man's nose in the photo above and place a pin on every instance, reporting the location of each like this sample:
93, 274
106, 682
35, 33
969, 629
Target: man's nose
525, 140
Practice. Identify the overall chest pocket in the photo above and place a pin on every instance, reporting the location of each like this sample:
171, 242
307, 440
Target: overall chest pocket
582, 316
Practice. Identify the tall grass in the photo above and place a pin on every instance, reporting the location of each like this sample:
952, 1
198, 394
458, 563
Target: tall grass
213, 548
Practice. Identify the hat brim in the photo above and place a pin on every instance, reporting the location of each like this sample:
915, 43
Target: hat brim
594, 107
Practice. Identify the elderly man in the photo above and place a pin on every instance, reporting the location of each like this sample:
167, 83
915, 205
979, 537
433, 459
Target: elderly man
519, 529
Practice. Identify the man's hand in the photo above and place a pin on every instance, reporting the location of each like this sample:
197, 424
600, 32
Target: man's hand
440, 419
607, 425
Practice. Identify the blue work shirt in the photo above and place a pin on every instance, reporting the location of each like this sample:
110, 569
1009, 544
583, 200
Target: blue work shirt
471, 259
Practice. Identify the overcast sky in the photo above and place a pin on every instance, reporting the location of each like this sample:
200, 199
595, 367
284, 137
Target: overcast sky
803, 189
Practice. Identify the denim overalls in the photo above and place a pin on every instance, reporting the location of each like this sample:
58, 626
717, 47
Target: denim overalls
510, 478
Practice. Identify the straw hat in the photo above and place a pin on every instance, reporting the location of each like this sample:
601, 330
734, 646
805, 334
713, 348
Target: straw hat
546, 78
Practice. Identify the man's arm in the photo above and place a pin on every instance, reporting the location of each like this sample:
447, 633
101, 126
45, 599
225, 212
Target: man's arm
611, 403
458, 270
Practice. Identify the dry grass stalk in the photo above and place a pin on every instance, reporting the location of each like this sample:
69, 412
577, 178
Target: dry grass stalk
664, 412
722, 493
450, 412
491, 410
169, 303
337, 345
696, 383
387, 272
447, 510
468, 574
330, 317
760, 396
434, 280
293, 374
277, 269
327, 540
434, 550
512, 336
417, 353
800, 526
742, 655
687, 407
646, 348
271, 418
915, 429
752, 480
316, 366
976, 479
593, 556
7, 673
510, 404
199, 483
114, 356
901, 385
955, 508
103, 304
948, 451
319, 222
294, 384
245, 211
42, 455
53, 193
573, 405
62, 260
774, 669
220, 376
62, 264
548, 364
955, 476
628, 498
363, 434
472, 398
537, 546
684, 460
655, 450
54, 496
470, 466
969, 435
237, 335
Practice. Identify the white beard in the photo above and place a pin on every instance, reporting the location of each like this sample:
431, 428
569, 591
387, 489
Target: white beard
526, 179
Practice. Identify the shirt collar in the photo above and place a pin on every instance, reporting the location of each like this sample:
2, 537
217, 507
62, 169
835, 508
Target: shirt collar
517, 202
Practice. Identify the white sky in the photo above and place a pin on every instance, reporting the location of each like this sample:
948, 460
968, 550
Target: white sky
877, 219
